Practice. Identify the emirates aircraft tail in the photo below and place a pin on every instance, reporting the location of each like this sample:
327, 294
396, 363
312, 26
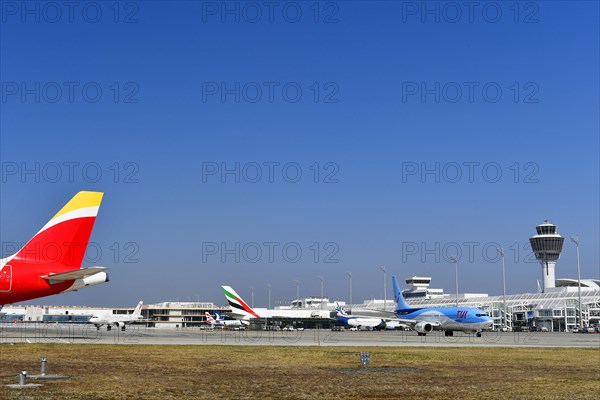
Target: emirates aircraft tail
50, 262
238, 305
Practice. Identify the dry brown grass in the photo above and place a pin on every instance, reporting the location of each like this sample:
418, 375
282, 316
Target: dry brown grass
180, 372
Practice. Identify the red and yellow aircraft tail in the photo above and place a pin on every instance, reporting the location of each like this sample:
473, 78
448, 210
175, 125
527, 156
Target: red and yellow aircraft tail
50, 262
64, 239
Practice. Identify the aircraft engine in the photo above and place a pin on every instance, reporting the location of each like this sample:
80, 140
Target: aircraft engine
92, 280
423, 327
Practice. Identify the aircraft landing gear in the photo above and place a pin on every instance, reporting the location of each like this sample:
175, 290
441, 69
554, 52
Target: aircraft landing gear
108, 327
448, 333
478, 334
421, 334
123, 328
97, 327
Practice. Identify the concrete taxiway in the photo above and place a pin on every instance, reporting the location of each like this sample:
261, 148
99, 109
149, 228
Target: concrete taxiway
136, 334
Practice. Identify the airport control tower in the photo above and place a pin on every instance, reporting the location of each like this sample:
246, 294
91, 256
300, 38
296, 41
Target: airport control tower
547, 246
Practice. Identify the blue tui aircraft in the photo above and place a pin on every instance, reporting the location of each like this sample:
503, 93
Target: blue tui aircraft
448, 319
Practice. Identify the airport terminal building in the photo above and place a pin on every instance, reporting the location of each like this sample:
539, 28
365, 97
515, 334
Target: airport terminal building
161, 315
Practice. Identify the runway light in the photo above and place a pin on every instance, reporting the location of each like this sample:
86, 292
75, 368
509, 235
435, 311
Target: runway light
365, 358
43, 366
44, 372
23, 378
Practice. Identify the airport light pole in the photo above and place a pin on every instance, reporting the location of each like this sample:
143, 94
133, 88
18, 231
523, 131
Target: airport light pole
382, 268
269, 286
252, 299
321, 279
297, 289
455, 261
500, 251
575, 239
350, 276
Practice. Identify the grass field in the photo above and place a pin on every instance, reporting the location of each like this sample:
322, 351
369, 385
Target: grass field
245, 372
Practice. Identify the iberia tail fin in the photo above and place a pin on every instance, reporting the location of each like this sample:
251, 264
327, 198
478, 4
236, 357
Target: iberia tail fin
63, 240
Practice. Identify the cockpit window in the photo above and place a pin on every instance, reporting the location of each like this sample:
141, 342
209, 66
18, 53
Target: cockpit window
482, 315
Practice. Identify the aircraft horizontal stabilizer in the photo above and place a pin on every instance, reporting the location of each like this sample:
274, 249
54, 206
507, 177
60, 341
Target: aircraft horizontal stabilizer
73, 275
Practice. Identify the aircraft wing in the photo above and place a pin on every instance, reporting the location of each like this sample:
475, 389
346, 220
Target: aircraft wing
73, 275
410, 321
388, 316
368, 313
402, 321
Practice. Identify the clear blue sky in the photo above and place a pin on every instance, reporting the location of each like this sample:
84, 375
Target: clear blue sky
387, 90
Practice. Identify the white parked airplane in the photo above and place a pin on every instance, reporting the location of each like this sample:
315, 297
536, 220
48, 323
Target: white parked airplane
118, 320
358, 322
219, 320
